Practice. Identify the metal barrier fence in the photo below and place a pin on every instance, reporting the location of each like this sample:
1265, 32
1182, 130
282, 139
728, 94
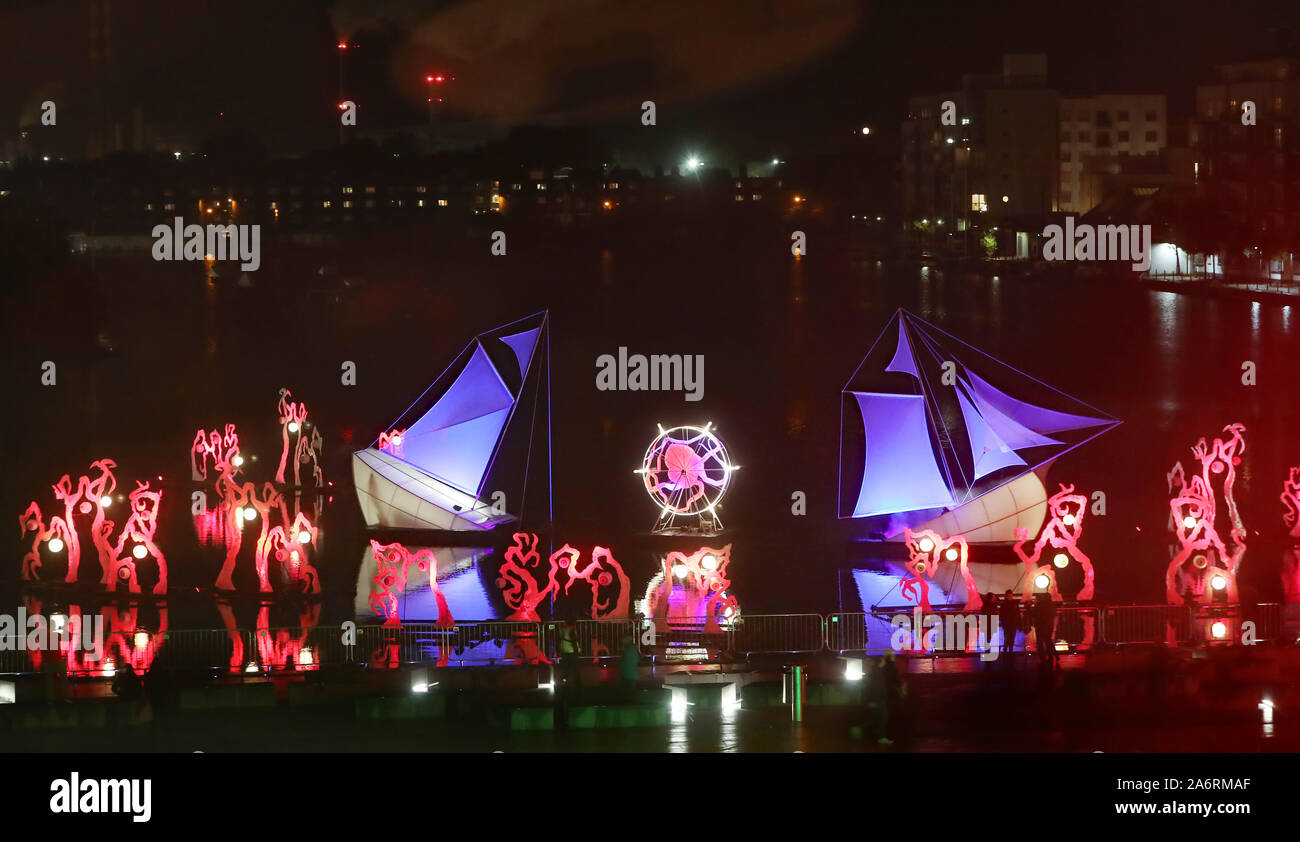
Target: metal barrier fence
486, 642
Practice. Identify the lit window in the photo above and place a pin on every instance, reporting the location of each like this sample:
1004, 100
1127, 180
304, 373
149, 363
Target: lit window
325, 204
347, 189
442, 203
756, 197
370, 189
978, 202
422, 190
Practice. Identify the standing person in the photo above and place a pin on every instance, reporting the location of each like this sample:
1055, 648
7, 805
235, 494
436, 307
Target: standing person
1009, 618
1045, 628
891, 694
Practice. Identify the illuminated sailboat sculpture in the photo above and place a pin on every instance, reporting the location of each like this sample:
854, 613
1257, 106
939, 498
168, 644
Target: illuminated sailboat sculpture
937, 434
459, 457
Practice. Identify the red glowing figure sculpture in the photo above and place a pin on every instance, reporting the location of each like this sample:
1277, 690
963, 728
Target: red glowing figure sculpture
222, 450
600, 573
241, 503
290, 548
1204, 562
393, 561
138, 533
522, 594
518, 585
392, 442
71, 498
702, 576
236, 639
292, 417
1061, 533
1291, 500
926, 550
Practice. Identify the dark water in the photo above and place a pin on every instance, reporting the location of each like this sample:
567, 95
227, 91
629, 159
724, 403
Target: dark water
779, 336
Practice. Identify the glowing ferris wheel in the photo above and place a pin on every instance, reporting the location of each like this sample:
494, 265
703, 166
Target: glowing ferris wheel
686, 472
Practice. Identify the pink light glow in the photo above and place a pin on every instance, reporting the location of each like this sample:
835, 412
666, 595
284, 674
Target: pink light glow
705, 589
1059, 535
922, 566
1202, 554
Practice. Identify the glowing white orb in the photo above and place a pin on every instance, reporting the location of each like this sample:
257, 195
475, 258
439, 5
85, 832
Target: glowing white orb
1218, 583
1042, 580
1061, 560
1068, 520
105, 501
56, 545
926, 545
1219, 629
293, 426
141, 639
250, 513
237, 460
1189, 522
139, 551
304, 657
951, 554
709, 562
679, 570
397, 440
304, 537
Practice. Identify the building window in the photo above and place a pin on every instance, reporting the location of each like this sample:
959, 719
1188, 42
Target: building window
1123, 137
1065, 195
1067, 156
1123, 116
1065, 137
347, 189
1085, 137
1103, 140
442, 203
756, 197
1152, 137
978, 202
1152, 116
370, 189
422, 190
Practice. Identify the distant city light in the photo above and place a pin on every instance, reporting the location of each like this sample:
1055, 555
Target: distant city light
866, 130
692, 163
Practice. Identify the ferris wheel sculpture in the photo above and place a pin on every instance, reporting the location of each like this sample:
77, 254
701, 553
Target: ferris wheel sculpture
686, 472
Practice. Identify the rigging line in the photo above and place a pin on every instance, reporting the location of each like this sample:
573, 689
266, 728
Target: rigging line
937, 420
449, 367
898, 316
1021, 373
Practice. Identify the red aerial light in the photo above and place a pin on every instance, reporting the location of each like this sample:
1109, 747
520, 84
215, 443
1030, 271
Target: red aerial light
438, 78
342, 105
343, 45
428, 78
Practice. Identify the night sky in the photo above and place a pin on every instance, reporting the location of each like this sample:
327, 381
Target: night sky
749, 78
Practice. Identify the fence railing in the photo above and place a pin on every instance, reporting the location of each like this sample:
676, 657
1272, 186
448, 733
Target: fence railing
486, 642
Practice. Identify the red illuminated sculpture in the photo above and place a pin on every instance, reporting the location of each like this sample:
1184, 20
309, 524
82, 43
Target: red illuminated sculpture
522, 593
519, 586
136, 541
1204, 564
307, 448
393, 562
926, 550
286, 649
704, 587
392, 442
1291, 500
221, 450
241, 503
90, 499
1061, 533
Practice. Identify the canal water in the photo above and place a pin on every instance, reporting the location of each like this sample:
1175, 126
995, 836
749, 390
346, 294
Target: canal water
146, 353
